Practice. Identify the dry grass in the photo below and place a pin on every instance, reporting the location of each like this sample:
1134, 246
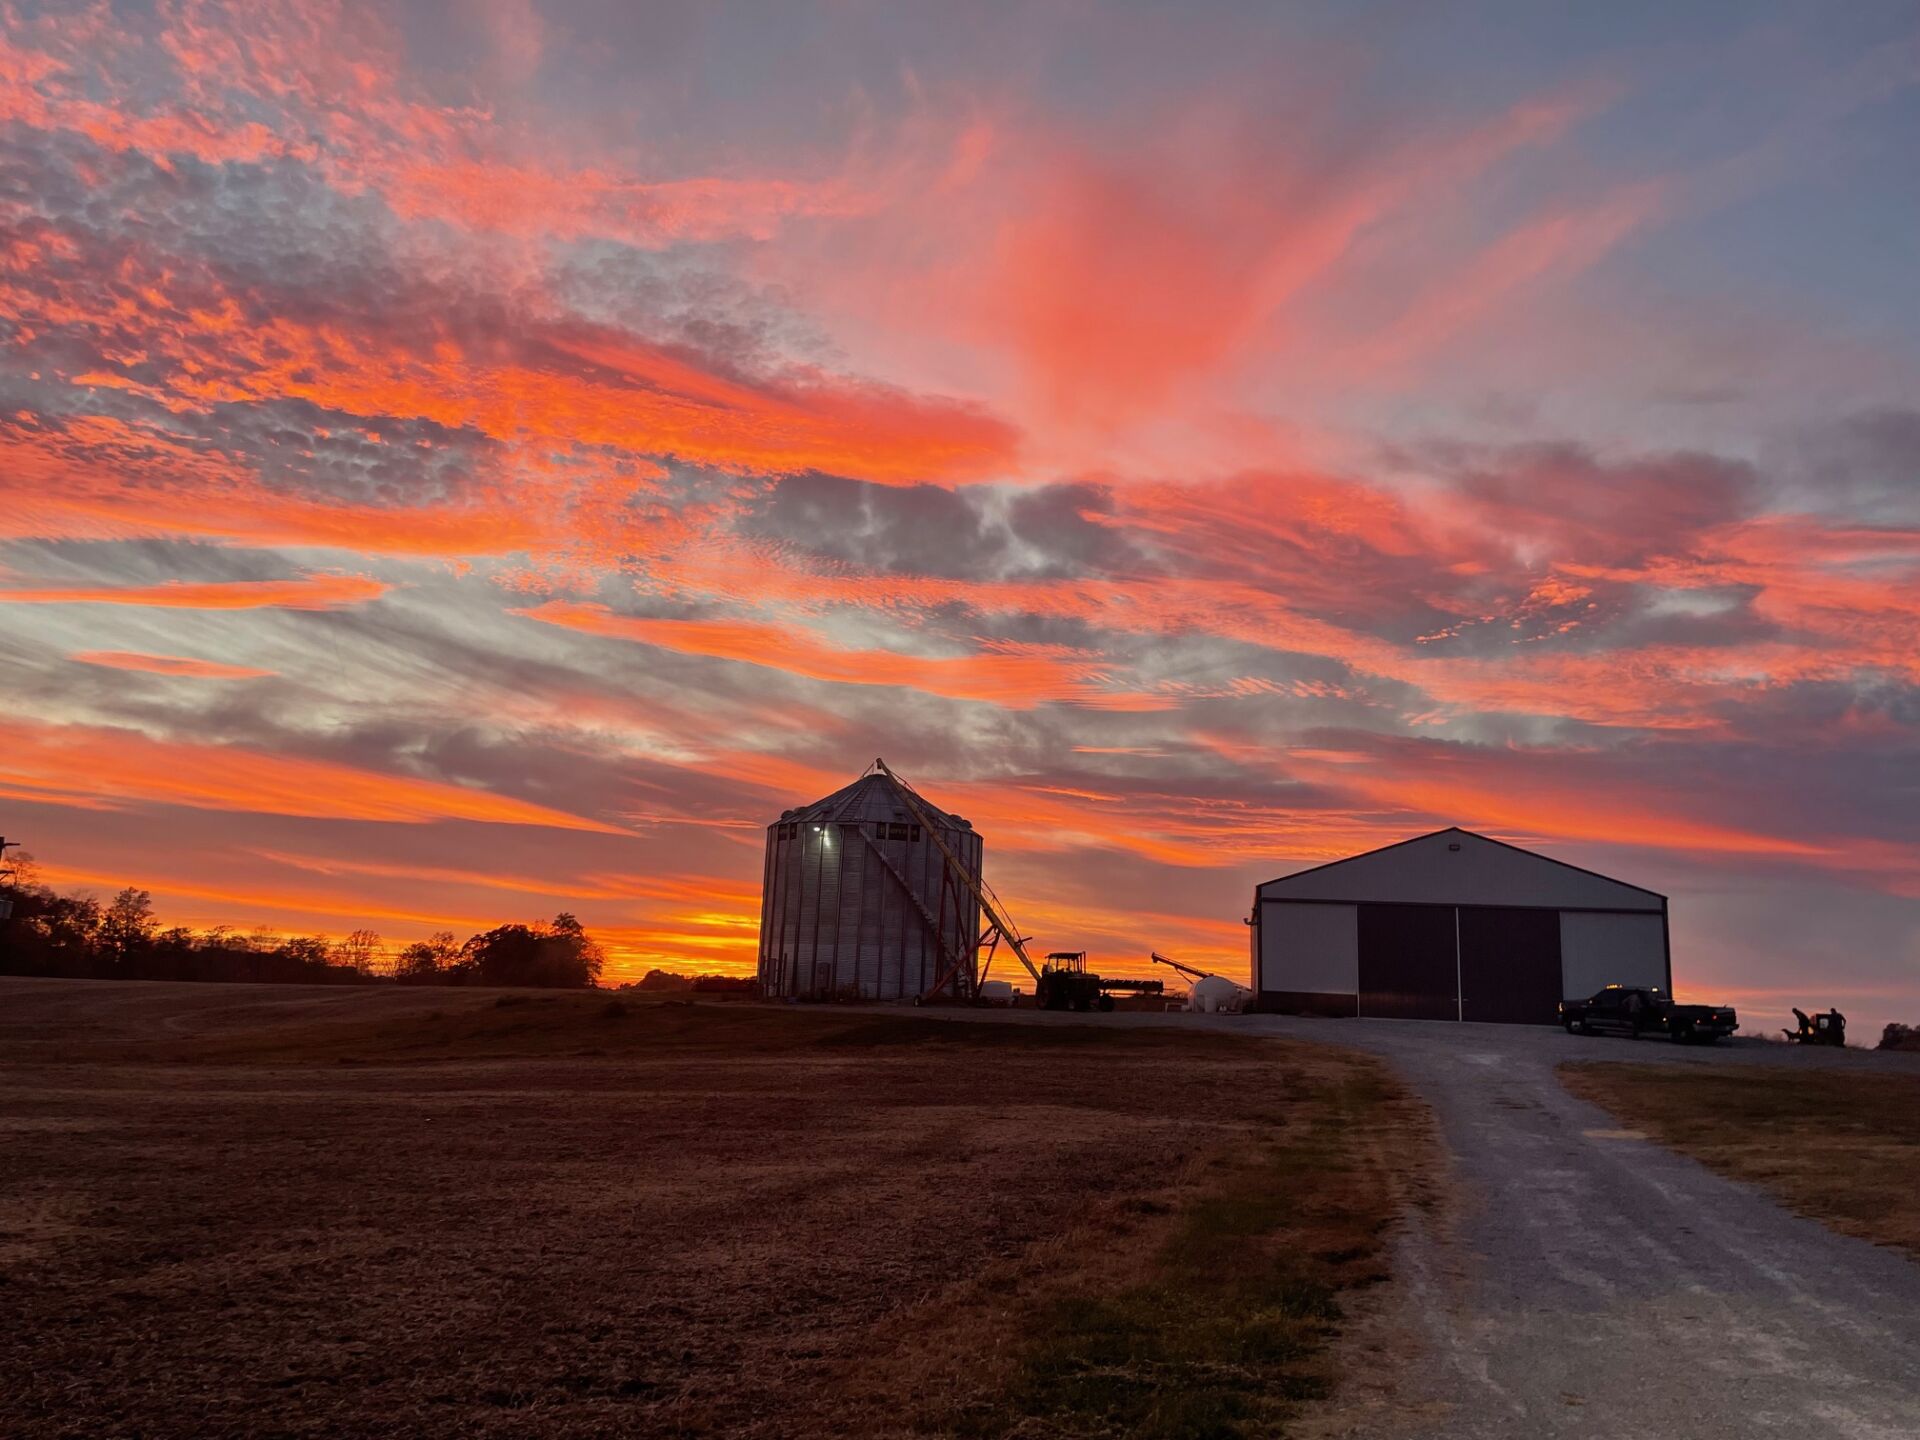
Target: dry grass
1841, 1146
1225, 1331
234, 1210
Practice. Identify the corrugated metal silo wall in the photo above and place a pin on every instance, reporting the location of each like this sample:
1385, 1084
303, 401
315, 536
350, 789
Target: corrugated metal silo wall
835, 922
773, 939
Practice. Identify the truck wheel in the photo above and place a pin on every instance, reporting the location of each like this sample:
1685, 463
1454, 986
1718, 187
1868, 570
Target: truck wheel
1106, 1003
1574, 1027
1679, 1037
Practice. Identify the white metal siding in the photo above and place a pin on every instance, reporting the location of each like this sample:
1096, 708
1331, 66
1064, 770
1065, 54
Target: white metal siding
1597, 950
1313, 948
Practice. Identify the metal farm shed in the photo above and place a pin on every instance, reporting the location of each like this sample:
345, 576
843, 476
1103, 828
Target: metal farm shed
858, 902
1452, 926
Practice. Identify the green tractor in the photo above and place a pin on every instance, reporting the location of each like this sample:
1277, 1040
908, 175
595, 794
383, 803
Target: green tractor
1064, 984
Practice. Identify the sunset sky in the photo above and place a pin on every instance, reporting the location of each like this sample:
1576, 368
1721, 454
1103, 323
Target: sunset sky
460, 462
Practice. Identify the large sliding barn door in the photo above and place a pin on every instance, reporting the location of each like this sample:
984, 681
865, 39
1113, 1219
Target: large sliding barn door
1407, 969
1509, 964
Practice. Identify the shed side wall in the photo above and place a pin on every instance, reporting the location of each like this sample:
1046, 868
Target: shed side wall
1598, 950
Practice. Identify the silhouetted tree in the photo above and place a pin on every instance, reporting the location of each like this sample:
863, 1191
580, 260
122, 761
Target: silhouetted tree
51, 934
21, 871
426, 962
559, 955
307, 949
581, 949
357, 951
74, 935
128, 925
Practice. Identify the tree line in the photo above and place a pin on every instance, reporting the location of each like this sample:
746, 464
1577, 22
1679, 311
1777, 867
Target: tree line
77, 936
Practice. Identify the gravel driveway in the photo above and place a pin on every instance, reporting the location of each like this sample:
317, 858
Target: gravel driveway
1590, 1282
1593, 1283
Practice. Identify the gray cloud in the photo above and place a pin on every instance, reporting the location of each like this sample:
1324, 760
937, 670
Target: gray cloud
1564, 499
977, 532
1865, 467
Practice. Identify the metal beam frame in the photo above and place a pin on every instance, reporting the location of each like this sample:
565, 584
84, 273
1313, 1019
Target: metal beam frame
959, 873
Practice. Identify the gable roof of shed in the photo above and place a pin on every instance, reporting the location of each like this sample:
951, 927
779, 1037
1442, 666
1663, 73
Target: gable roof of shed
1384, 850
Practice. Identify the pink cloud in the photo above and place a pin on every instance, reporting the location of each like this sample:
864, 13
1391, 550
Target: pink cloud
180, 665
310, 592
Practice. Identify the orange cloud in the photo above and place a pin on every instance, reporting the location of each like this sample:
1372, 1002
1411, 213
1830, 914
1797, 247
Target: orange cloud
528, 200
1016, 679
1132, 283
1266, 558
1558, 243
168, 665
97, 766
551, 379
281, 907
587, 886
1515, 794
35, 90
313, 592
618, 392
74, 484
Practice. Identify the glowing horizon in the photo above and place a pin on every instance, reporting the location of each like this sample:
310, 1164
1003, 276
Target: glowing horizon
459, 463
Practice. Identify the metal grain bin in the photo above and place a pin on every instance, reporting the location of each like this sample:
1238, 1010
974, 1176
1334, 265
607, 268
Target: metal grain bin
857, 903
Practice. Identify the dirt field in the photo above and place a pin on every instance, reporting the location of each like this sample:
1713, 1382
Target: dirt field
234, 1210
1839, 1145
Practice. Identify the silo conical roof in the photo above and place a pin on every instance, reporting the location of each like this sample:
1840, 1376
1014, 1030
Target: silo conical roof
871, 797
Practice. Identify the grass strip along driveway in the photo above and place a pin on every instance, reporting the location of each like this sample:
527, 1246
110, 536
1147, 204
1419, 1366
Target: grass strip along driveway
1226, 1332
1842, 1146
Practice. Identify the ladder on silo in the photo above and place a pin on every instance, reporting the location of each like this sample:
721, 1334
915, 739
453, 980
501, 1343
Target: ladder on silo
951, 957
997, 923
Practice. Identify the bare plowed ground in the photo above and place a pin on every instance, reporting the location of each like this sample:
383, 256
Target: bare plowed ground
232, 1210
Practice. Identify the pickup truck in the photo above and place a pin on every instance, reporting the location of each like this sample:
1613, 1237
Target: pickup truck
1634, 1011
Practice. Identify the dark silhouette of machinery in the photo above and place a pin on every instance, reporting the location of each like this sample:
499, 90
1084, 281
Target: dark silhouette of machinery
1827, 1029
1064, 983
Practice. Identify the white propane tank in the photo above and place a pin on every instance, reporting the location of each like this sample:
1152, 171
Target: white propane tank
996, 992
1216, 995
